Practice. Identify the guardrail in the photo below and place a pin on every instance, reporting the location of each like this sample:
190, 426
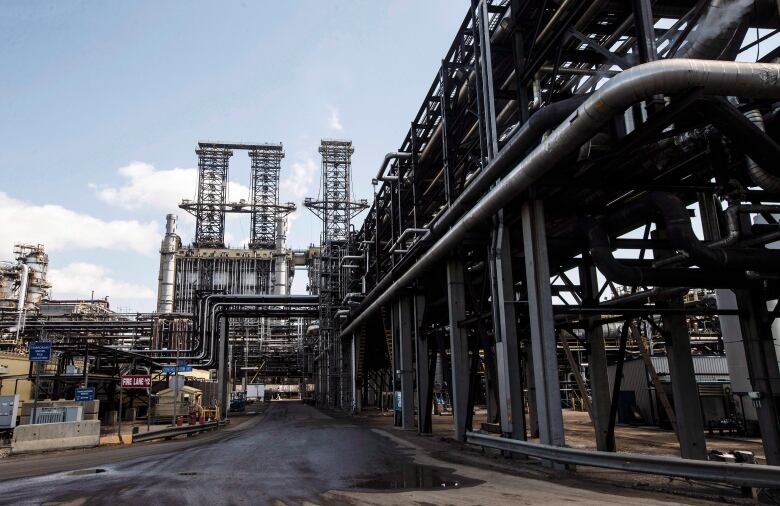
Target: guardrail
743, 475
175, 431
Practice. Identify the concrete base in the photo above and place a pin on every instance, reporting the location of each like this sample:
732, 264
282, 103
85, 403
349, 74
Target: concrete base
55, 436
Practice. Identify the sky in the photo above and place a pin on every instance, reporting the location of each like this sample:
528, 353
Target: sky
103, 104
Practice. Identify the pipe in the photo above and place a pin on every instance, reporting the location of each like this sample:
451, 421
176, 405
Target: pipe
717, 31
22, 300
400, 155
406, 232
618, 272
748, 134
631, 86
758, 175
680, 231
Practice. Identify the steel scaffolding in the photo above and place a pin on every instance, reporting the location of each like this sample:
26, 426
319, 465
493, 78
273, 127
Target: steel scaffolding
266, 163
212, 193
336, 209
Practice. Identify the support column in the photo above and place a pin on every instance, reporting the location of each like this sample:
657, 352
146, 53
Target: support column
597, 363
459, 347
222, 368
353, 375
510, 392
395, 359
543, 343
406, 341
762, 369
687, 408
423, 370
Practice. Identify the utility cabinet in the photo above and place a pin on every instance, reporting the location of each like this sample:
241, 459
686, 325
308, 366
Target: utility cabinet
9, 407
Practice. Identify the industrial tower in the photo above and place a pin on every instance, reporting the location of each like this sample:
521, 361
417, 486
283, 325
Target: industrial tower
336, 209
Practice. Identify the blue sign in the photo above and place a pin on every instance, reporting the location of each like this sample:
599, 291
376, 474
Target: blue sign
397, 401
40, 351
85, 394
171, 369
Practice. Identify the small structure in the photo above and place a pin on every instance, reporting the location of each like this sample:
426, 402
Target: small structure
189, 400
639, 400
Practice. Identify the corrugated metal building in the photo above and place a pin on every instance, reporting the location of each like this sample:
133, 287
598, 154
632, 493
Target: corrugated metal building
637, 394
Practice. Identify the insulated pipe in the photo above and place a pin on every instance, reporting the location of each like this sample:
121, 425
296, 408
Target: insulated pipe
631, 86
758, 175
22, 300
681, 235
400, 155
407, 232
618, 272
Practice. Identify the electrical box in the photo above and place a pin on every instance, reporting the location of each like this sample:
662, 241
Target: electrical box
9, 407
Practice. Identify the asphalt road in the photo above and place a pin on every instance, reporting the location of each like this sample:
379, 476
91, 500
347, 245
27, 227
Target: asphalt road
293, 454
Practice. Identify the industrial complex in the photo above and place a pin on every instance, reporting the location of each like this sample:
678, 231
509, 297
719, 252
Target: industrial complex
571, 256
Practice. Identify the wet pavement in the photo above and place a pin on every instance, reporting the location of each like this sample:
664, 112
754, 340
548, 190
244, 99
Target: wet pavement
292, 454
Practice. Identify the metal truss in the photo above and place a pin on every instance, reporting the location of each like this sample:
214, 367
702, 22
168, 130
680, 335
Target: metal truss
264, 194
336, 209
212, 193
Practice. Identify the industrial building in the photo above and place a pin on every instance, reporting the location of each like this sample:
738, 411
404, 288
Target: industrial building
583, 214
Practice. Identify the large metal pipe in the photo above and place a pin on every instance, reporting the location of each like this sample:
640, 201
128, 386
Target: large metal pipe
633, 85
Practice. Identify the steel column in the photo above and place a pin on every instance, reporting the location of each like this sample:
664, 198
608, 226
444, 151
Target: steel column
597, 363
762, 368
548, 396
459, 347
406, 324
510, 392
423, 370
690, 426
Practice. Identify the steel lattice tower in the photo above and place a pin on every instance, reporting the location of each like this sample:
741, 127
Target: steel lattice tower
212, 193
266, 164
336, 210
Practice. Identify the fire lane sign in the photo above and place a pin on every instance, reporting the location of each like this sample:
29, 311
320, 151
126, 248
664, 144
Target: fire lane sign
136, 381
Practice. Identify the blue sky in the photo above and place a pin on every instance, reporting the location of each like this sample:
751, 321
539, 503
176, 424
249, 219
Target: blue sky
103, 103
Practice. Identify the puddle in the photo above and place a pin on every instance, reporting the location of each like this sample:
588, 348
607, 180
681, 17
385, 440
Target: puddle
416, 477
82, 472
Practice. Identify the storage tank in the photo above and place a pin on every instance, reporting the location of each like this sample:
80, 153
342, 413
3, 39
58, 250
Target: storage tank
280, 286
170, 244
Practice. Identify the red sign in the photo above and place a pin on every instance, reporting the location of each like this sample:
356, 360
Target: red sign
136, 381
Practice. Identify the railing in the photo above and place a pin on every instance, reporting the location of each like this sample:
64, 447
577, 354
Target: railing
743, 475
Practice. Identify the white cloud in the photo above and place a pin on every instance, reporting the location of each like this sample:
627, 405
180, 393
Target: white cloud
297, 183
79, 279
146, 187
58, 228
334, 121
